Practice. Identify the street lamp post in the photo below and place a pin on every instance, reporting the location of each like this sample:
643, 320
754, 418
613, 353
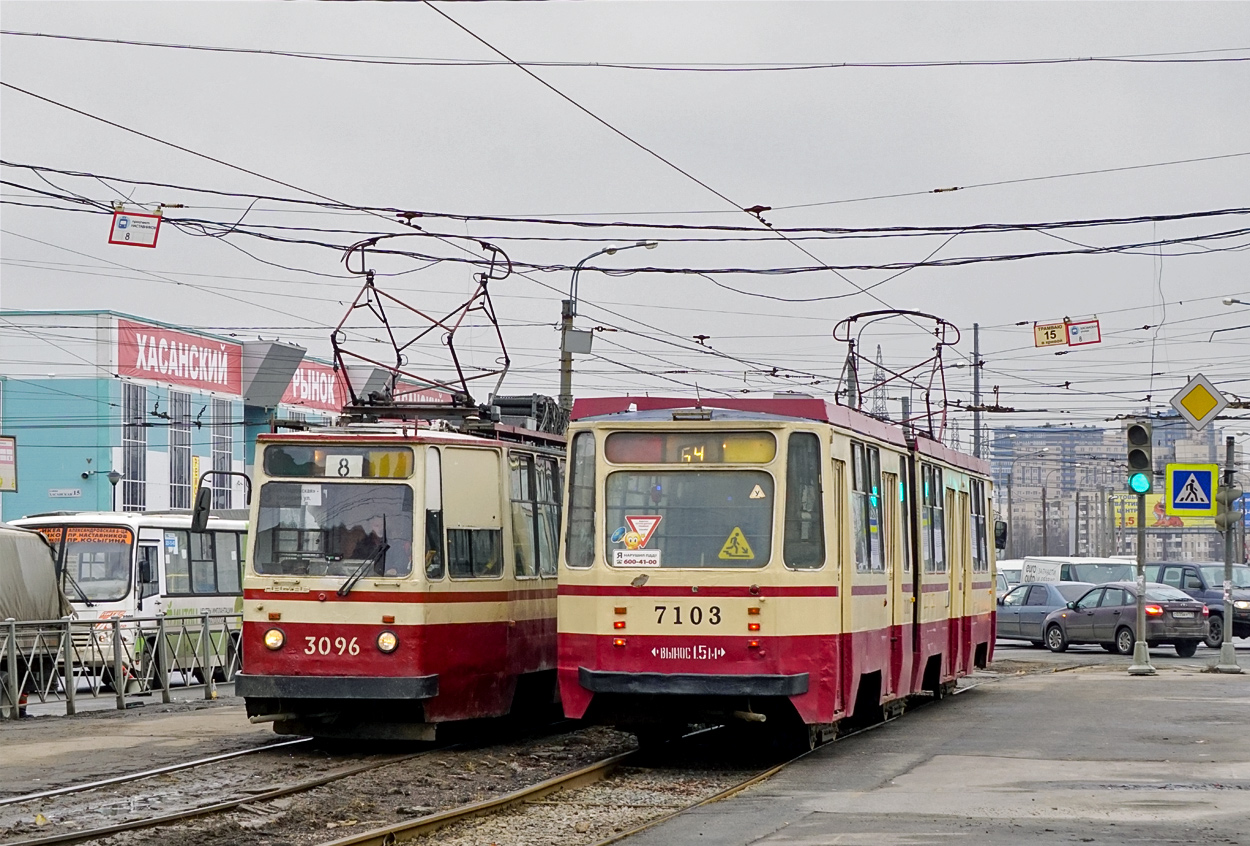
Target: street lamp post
114, 477
570, 340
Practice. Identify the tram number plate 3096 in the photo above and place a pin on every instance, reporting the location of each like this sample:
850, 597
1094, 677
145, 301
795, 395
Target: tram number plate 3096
693, 615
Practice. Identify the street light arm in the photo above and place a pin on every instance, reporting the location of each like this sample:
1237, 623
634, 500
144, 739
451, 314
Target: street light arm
609, 250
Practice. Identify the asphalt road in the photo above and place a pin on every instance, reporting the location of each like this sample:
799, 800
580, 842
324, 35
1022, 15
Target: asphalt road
1082, 753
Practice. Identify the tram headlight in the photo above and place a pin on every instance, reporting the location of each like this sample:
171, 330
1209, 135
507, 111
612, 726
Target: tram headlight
274, 638
388, 642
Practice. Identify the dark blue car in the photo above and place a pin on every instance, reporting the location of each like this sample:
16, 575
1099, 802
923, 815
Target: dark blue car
1022, 609
1204, 581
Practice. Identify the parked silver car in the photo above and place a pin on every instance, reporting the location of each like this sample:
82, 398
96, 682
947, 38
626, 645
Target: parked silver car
1023, 609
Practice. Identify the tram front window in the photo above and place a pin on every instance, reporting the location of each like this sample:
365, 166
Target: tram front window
331, 529
693, 519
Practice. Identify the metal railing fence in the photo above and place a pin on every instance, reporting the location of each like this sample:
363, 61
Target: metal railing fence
122, 657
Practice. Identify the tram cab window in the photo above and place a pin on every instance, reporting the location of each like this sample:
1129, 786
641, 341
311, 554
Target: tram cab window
866, 508
904, 514
805, 526
580, 543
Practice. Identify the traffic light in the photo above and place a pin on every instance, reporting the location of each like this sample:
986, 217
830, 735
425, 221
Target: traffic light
1140, 458
1227, 514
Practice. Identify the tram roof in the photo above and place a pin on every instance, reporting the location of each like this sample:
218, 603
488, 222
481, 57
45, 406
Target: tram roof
770, 408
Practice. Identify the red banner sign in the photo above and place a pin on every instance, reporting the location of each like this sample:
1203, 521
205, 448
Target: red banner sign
165, 355
318, 386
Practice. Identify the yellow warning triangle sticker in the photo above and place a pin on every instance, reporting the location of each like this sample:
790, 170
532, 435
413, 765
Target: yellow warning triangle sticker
758, 493
736, 547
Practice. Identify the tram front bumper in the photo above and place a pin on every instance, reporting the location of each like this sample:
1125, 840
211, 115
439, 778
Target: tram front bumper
335, 687
692, 684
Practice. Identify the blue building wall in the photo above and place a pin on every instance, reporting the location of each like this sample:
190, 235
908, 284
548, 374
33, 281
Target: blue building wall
68, 427
62, 432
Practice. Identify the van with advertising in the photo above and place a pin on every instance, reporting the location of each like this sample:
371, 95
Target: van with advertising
28, 593
144, 564
1096, 571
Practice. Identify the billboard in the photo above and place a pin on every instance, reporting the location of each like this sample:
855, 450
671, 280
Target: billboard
1156, 514
178, 358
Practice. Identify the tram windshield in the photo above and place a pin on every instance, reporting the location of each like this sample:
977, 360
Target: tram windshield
689, 519
332, 528
97, 559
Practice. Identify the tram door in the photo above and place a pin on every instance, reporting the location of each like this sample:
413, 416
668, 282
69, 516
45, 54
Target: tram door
893, 568
957, 560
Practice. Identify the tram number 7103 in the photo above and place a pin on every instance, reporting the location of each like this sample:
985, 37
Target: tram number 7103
694, 615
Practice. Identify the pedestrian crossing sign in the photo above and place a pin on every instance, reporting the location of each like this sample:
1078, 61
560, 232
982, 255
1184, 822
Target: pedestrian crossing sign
1191, 489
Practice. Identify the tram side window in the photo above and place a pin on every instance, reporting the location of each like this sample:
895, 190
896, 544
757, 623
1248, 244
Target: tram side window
980, 547
866, 508
548, 490
805, 505
524, 515
472, 511
580, 544
475, 553
932, 519
434, 556
904, 514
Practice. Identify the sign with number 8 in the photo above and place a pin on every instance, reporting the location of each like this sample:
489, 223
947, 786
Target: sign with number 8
345, 466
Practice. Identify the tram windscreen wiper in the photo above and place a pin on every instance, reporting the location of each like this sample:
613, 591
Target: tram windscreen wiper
373, 561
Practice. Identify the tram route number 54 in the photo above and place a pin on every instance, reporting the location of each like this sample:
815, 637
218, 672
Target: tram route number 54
694, 615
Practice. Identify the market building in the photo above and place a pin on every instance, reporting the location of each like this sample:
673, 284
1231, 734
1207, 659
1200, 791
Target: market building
111, 410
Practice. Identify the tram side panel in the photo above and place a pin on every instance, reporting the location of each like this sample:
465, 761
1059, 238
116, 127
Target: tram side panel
868, 634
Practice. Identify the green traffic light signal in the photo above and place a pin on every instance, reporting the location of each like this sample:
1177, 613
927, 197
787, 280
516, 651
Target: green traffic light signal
1139, 483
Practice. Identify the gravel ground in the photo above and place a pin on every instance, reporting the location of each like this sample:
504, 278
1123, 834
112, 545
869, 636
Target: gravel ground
435, 781
631, 796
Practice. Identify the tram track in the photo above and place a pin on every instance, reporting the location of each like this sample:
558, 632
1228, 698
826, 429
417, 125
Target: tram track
306, 807
85, 835
629, 774
157, 771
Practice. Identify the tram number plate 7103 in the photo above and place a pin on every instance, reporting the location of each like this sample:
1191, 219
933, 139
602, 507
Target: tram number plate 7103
693, 615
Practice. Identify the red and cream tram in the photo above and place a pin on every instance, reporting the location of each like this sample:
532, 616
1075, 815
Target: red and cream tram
783, 560
400, 577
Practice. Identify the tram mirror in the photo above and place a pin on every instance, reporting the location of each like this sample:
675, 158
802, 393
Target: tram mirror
1000, 534
203, 502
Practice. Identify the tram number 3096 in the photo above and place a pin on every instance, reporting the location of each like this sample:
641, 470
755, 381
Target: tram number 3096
324, 646
694, 615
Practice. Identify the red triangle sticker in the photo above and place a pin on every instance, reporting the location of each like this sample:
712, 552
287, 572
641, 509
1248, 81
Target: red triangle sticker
644, 525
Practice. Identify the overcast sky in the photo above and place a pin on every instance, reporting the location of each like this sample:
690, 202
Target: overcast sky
490, 140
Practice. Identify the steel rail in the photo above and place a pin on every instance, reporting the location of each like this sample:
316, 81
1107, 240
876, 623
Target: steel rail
413, 828
205, 810
735, 789
171, 768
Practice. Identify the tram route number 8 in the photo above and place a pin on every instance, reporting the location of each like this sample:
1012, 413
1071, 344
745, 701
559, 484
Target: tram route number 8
324, 646
694, 615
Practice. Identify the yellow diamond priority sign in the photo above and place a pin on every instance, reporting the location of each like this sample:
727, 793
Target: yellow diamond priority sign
1199, 402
